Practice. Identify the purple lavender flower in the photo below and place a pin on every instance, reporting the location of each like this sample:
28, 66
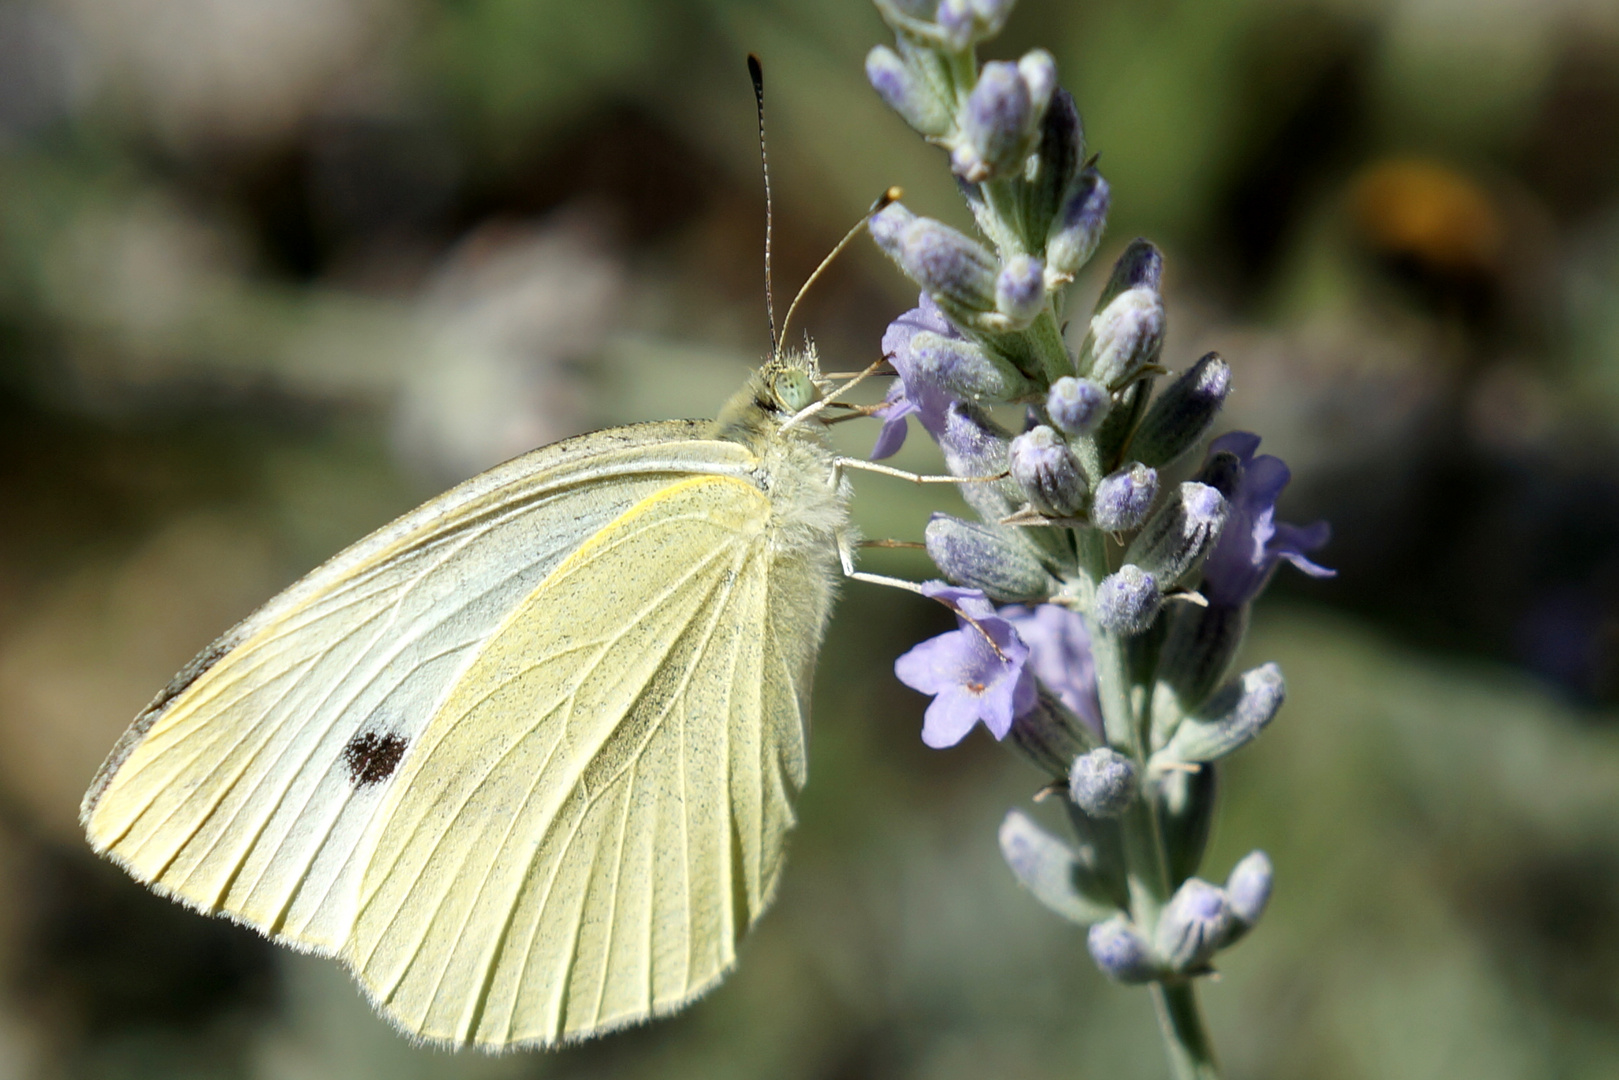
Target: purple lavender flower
976, 673
912, 394
1060, 656
1253, 541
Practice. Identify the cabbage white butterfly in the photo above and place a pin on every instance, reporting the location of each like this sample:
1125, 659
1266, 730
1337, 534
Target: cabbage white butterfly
524, 759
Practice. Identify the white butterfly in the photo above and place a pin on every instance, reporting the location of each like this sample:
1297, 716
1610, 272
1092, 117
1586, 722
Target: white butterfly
524, 759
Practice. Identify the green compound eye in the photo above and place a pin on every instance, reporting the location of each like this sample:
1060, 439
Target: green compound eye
795, 390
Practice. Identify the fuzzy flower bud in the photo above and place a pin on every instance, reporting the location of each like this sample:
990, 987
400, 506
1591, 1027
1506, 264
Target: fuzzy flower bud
962, 22
1077, 228
901, 90
1127, 601
1125, 336
975, 445
1048, 472
1198, 650
1175, 540
1020, 290
1051, 170
1248, 887
1059, 877
1195, 923
1182, 414
964, 370
1124, 499
1141, 266
990, 558
955, 269
1230, 720
1077, 406
1120, 951
1039, 72
1103, 783
996, 125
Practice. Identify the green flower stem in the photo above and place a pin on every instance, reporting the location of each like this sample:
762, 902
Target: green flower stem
1046, 338
1147, 866
1187, 1040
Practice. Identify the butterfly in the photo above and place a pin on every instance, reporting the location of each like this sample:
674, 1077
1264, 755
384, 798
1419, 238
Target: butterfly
524, 759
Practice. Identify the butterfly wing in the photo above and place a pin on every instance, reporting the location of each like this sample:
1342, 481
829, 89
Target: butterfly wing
598, 811
249, 785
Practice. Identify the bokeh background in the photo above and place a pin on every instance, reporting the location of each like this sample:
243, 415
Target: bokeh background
273, 271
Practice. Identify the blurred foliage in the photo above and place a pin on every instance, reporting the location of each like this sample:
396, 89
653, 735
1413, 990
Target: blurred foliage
272, 272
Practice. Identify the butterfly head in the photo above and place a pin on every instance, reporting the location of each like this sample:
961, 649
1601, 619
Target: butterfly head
786, 385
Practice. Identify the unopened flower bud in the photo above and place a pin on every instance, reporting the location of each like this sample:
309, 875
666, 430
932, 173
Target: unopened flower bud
1183, 412
1051, 170
1127, 601
975, 445
964, 370
1125, 337
961, 22
955, 18
997, 125
1059, 877
1050, 734
1103, 783
1198, 649
1124, 499
1229, 720
1141, 266
1077, 228
901, 90
1077, 406
1039, 72
1048, 472
1248, 887
1120, 951
955, 269
1193, 926
1175, 540
993, 559
1020, 290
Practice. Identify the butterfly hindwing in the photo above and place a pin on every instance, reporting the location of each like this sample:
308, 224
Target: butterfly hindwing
597, 812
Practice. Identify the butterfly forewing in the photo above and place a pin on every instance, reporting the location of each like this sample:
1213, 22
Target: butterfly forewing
249, 787
597, 812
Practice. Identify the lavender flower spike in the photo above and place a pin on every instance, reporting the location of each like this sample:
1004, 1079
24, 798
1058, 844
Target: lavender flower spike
977, 673
1253, 541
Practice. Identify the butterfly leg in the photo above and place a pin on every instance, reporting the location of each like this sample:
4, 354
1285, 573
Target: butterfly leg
846, 557
915, 478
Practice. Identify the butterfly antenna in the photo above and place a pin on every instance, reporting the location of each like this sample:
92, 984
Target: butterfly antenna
892, 195
756, 72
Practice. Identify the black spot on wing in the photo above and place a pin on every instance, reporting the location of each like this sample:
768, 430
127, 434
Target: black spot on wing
372, 758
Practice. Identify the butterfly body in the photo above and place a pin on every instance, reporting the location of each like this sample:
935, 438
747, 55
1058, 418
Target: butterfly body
524, 759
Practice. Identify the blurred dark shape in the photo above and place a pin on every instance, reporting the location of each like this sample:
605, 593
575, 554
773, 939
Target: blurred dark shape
1552, 921
379, 171
1570, 635
1571, 152
652, 179
1434, 227
1304, 84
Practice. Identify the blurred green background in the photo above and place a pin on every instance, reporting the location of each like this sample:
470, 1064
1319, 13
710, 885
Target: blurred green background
273, 271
